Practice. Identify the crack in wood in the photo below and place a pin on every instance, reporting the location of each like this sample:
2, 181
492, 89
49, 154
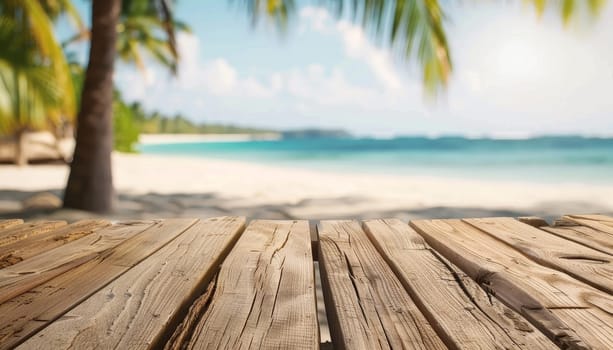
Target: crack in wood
185, 330
584, 258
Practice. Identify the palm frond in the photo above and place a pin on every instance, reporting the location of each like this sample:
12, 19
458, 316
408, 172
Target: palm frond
34, 21
150, 27
414, 28
568, 9
55, 8
30, 96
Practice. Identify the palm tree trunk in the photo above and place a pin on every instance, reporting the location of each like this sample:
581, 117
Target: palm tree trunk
90, 184
21, 156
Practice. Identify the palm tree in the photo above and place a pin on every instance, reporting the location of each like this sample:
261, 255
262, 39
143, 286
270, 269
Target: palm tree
33, 70
413, 27
90, 185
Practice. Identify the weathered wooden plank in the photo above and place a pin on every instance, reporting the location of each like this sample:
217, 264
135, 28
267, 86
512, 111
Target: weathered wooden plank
368, 308
581, 262
18, 251
597, 223
23, 276
561, 222
31, 311
31, 229
607, 220
533, 221
600, 333
183, 332
265, 293
464, 315
139, 308
9, 223
533, 290
587, 236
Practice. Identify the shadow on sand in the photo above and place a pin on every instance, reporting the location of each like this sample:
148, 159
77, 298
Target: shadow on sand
200, 205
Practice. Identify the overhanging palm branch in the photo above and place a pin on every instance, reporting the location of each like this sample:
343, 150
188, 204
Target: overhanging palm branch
31, 18
568, 8
414, 28
29, 97
148, 28
55, 8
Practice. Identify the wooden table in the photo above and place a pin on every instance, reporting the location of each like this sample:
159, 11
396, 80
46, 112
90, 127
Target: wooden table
222, 284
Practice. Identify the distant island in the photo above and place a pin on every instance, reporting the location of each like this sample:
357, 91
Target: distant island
315, 133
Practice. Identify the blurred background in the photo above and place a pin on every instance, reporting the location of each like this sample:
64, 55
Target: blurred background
305, 109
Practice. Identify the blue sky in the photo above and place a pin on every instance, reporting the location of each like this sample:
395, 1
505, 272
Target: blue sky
514, 74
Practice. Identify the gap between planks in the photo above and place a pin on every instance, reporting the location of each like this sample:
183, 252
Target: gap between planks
367, 306
466, 315
264, 295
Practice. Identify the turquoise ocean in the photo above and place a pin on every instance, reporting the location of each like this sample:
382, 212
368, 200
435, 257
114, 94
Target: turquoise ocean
559, 159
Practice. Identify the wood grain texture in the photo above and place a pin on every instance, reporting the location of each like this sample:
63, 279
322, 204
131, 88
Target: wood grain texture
605, 219
18, 251
600, 222
533, 221
463, 314
31, 229
31, 311
184, 330
587, 236
23, 276
531, 289
139, 308
583, 263
9, 222
265, 293
368, 308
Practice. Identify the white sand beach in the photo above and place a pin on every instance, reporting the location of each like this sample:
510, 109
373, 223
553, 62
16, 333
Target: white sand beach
164, 186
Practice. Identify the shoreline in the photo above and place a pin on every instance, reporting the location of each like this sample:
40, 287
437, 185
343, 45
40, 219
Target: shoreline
195, 186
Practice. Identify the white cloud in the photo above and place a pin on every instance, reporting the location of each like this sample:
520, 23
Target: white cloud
540, 78
356, 43
315, 18
219, 77
512, 73
331, 87
379, 60
312, 84
216, 77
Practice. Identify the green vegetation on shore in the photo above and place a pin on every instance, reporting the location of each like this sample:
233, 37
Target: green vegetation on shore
130, 120
159, 123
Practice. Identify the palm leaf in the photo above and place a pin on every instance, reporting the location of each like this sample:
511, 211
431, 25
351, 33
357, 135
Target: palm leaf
40, 29
568, 9
414, 28
30, 97
148, 28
